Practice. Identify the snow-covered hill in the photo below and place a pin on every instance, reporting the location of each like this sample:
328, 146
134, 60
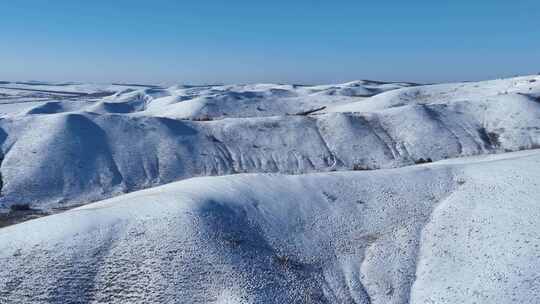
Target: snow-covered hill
455, 231
401, 193
81, 143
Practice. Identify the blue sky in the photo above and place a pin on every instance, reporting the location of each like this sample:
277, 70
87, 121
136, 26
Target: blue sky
165, 41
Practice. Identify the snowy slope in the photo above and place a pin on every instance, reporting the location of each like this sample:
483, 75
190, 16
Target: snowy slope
261, 99
483, 92
34, 97
188, 102
458, 231
81, 149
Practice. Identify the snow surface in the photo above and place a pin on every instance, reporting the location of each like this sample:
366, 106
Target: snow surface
459, 231
362, 220
67, 144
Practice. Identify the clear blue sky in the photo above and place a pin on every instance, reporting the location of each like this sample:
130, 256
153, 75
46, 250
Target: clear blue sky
268, 41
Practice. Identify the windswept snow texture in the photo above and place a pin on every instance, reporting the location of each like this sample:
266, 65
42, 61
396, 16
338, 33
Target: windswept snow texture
66, 144
457, 231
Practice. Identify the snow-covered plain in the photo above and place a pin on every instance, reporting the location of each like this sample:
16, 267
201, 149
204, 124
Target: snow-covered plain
361, 221
70, 150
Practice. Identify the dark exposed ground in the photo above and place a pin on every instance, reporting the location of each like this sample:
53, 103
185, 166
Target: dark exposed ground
18, 216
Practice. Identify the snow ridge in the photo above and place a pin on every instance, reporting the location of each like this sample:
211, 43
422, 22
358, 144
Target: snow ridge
383, 202
122, 143
384, 236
